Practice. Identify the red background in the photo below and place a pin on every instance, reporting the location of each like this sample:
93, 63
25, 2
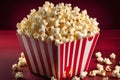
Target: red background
107, 12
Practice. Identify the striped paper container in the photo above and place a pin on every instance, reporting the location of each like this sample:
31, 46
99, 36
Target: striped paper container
63, 61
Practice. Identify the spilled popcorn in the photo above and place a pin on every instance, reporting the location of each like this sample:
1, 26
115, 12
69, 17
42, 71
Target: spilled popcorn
100, 70
58, 23
17, 67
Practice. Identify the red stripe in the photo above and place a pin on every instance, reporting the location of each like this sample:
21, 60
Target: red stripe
91, 50
25, 53
61, 59
40, 56
76, 56
55, 58
71, 53
33, 55
66, 55
81, 55
48, 57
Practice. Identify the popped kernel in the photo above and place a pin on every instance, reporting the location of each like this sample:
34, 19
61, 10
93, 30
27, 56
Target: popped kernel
107, 61
83, 74
100, 67
93, 73
98, 54
76, 78
105, 78
100, 59
102, 72
107, 68
15, 67
19, 75
112, 56
115, 73
52, 78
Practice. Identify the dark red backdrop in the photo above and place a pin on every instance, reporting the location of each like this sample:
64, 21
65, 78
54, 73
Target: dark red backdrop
106, 11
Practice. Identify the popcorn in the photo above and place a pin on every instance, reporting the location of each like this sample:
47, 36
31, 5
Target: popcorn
100, 59
112, 56
62, 18
75, 78
107, 61
52, 78
93, 73
83, 74
115, 73
102, 72
15, 67
107, 68
99, 66
19, 75
98, 54
117, 68
22, 61
105, 78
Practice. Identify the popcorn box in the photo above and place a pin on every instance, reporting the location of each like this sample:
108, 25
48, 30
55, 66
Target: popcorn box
63, 61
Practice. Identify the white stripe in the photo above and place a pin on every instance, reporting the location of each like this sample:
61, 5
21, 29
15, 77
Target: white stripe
78, 57
44, 58
29, 54
64, 58
37, 56
58, 62
86, 53
73, 56
50, 52
68, 54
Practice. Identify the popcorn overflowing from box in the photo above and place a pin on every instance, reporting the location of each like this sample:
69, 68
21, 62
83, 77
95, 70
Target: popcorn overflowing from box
58, 40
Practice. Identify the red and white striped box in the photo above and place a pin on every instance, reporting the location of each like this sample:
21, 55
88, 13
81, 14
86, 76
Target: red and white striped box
63, 61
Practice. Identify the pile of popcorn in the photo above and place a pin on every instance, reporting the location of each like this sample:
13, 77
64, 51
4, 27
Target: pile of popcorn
17, 67
58, 23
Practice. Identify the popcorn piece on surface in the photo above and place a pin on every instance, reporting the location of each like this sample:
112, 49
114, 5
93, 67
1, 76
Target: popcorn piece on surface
93, 73
100, 59
117, 68
15, 67
52, 78
112, 56
105, 78
98, 54
115, 73
22, 62
83, 74
107, 68
19, 75
102, 72
76, 78
107, 61
22, 55
40, 21
100, 67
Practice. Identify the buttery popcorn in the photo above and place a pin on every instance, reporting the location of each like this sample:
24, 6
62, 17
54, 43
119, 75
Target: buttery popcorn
98, 54
76, 78
19, 75
15, 67
107, 61
105, 78
58, 23
112, 56
52, 78
83, 74
107, 68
